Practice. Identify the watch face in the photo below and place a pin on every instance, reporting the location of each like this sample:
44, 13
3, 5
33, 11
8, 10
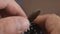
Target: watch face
34, 29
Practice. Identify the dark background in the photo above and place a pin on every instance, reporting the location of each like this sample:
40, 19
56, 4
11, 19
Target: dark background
45, 6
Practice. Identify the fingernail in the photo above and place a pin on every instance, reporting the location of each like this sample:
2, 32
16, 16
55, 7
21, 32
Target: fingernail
28, 29
19, 32
22, 24
25, 30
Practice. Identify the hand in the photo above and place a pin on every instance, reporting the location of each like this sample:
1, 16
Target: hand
10, 7
15, 20
50, 22
13, 25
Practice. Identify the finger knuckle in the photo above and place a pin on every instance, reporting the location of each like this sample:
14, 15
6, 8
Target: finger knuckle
51, 15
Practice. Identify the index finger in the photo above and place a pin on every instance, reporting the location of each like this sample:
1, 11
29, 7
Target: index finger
15, 9
41, 18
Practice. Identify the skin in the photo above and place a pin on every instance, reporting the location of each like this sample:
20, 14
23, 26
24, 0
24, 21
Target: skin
11, 7
13, 25
15, 20
51, 22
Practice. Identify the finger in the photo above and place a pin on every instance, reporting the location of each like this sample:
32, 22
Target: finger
13, 25
45, 18
3, 4
48, 22
41, 18
15, 9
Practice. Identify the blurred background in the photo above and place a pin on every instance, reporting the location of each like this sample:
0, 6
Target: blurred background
45, 6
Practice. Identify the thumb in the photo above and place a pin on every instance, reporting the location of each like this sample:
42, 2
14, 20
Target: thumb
13, 25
